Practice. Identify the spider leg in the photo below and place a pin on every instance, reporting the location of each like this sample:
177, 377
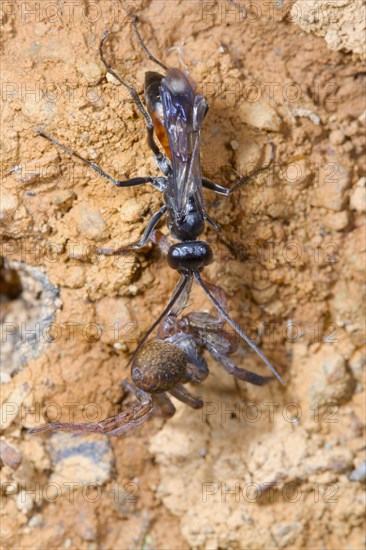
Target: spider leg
163, 406
186, 397
133, 415
142, 396
197, 372
142, 414
163, 242
197, 369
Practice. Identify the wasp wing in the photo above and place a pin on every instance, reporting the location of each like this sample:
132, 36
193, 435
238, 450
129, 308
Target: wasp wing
184, 111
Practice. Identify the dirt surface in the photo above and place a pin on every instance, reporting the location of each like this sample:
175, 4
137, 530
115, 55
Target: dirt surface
273, 467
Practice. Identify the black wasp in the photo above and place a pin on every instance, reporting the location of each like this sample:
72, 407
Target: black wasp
175, 113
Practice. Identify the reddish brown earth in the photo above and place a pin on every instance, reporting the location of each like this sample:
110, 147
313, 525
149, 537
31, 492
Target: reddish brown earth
273, 467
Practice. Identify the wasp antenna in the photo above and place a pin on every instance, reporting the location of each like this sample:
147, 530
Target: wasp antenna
101, 44
236, 327
105, 34
139, 38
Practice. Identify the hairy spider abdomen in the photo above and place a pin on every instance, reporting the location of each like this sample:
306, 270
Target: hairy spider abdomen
190, 256
158, 367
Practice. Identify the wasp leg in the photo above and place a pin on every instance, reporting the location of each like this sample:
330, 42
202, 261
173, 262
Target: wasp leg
215, 187
213, 224
138, 244
221, 190
127, 183
231, 368
180, 291
183, 395
219, 295
162, 161
226, 316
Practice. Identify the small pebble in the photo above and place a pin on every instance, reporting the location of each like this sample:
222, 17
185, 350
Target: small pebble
74, 277
336, 220
111, 79
4, 377
132, 211
286, 533
64, 197
359, 474
25, 501
92, 72
336, 137
334, 383
8, 203
83, 459
260, 115
358, 199
9, 455
90, 223
34, 520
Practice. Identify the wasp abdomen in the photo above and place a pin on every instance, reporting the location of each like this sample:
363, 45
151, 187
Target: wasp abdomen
155, 108
190, 256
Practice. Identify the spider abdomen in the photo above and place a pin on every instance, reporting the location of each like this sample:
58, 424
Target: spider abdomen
158, 367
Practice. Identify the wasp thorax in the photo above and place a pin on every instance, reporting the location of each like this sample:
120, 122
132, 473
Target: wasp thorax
158, 367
